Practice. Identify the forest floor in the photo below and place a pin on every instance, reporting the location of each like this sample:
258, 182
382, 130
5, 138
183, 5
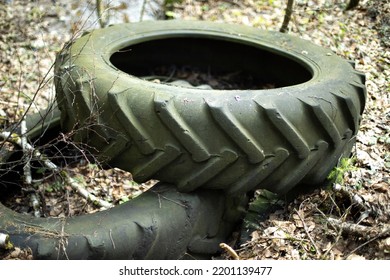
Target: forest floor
349, 219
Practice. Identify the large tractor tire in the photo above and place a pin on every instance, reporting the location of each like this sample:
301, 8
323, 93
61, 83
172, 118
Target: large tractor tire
239, 139
161, 223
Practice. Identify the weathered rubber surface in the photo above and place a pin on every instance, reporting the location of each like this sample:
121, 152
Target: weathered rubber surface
237, 140
161, 223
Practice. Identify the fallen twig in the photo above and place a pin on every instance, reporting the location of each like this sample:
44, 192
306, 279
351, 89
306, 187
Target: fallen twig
16, 139
229, 250
27, 169
355, 198
360, 230
386, 233
307, 232
339, 233
290, 238
35, 204
366, 232
23, 140
84, 192
365, 207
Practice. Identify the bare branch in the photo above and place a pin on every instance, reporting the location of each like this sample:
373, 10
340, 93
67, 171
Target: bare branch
366, 232
16, 139
307, 232
354, 197
27, 169
229, 250
360, 230
84, 192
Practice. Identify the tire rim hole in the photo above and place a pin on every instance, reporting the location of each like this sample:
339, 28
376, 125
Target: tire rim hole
204, 63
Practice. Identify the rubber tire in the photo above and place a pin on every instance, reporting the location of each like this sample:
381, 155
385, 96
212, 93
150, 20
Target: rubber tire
161, 223
236, 140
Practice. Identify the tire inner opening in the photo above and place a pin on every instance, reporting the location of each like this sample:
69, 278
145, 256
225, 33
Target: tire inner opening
210, 63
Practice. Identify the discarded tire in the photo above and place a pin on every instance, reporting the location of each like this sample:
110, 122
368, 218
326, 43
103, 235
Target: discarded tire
161, 223
239, 139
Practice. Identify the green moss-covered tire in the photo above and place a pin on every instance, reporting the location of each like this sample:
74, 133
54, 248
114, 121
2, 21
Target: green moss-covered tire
237, 140
161, 223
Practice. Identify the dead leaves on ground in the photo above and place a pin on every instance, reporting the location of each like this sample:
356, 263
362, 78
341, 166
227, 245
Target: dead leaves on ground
311, 227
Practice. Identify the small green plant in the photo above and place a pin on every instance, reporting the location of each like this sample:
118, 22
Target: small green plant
55, 186
171, 2
124, 199
35, 13
337, 174
168, 7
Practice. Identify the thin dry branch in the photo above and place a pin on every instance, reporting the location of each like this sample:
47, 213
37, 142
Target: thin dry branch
366, 232
338, 236
355, 198
307, 232
229, 250
16, 139
84, 192
365, 207
387, 232
360, 230
27, 169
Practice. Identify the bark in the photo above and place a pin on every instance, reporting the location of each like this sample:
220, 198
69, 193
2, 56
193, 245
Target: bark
360, 230
287, 17
100, 13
